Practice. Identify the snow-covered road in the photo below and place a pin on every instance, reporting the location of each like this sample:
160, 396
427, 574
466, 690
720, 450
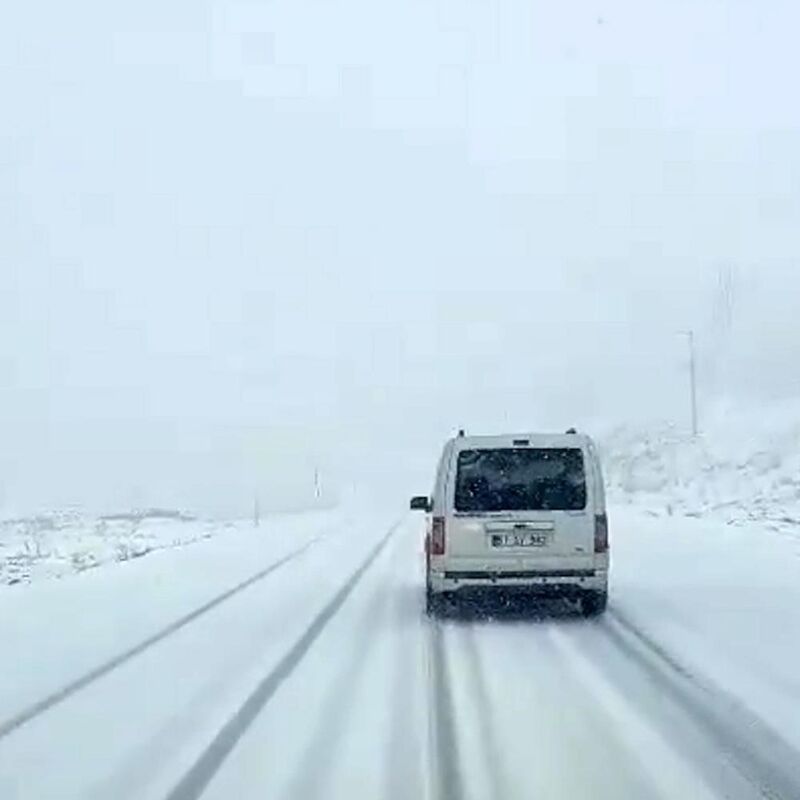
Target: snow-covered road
178, 676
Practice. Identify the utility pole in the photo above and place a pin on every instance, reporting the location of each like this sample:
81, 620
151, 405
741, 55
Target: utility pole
256, 511
317, 485
693, 381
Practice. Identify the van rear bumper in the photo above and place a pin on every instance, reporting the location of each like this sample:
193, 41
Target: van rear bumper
566, 582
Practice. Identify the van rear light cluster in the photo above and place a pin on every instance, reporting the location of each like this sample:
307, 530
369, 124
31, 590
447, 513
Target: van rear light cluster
601, 533
437, 536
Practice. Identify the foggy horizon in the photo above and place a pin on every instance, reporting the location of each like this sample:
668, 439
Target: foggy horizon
240, 243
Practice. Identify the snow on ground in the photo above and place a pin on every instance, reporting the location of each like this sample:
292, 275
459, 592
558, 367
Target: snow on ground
384, 702
62, 543
700, 584
366, 705
165, 701
57, 544
723, 600
744, 467
706, 550
59, 629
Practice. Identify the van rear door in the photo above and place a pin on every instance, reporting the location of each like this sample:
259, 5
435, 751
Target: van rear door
522, 507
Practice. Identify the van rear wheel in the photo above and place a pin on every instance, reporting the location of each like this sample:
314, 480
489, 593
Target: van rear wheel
593, 604
435, 603
430, 603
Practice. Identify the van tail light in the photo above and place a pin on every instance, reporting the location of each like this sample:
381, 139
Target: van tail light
601, 533
437, 536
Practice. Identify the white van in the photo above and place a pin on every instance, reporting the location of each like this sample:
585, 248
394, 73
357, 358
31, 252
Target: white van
518, 513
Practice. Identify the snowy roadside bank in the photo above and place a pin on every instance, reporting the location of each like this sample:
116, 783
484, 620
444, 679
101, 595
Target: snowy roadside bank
57, 544
743, 468
706, 550
58, 630
65, 543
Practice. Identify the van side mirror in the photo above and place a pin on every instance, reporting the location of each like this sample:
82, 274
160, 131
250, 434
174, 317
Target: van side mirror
420, 504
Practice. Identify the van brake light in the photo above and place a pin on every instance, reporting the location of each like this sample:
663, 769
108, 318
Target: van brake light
601, 533
437, 536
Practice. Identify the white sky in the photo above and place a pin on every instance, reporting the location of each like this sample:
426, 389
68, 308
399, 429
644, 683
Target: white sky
238, 240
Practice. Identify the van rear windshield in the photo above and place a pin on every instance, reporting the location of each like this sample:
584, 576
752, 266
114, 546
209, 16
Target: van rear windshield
530, 479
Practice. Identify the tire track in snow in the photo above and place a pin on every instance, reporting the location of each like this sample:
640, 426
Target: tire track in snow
196, 779
153, 756
738, 651
330, 725
478, 689
638, 733
767, 761
68, 690
447, 766
566, 716
404, 776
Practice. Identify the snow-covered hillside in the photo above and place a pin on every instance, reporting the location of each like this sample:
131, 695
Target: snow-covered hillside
744, 466
57, 544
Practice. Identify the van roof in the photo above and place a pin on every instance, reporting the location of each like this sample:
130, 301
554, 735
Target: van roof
545, 440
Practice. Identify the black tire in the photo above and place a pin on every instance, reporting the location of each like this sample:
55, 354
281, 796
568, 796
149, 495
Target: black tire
435, 603
430, 604
593, 604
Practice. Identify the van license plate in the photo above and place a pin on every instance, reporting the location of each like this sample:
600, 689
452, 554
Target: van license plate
519, 540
